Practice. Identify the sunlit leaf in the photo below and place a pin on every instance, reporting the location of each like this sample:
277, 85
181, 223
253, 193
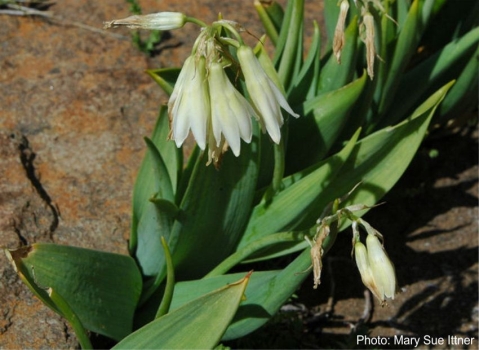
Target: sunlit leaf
198, 324
101, 289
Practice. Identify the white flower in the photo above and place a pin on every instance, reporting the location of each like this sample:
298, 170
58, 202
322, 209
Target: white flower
189, 104
381, 267
362, 262
158, 21
230, 111
266, 96
377, 271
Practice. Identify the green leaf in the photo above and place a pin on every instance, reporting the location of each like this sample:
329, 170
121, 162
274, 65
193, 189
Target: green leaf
379, 160
428, 74
267, 292
312, 136
305, 82
170, 282
331, 14
408, 39
66, 311
266, 297
148, 182
155, 221
214, 211
198, 324
289, 205
288, 54
271, 15
101, 289
463, 94
334, 75
165, 77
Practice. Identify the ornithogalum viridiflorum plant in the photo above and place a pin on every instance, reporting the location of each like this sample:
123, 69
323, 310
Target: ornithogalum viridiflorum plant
301, 146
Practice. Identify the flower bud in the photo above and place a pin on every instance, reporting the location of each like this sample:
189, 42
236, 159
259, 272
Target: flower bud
153, 21
375, 268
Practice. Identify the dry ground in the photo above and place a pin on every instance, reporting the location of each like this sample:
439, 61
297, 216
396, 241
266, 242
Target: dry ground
75, 104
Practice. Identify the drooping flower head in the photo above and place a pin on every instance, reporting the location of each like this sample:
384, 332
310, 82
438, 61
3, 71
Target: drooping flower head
223, 117
205, 100
375, 267
266, 96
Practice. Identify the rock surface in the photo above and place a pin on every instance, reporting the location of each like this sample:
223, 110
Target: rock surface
75, 105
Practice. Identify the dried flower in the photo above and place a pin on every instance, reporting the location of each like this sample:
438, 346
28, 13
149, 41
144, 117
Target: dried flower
338, 41
369, 34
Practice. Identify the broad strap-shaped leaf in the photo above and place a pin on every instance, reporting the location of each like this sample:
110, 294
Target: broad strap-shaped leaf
379, 160
312, 136
426, 75
289, 205
463, 95
408, 39
101, 289
158, 176
267, 292
268, 296
214, 211
198, 324
157, 217
304, 84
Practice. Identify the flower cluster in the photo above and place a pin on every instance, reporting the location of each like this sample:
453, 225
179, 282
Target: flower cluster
375, 267
376, 270
204, 99
206, 102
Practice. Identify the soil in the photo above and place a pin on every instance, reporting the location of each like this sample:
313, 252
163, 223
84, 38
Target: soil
75, 105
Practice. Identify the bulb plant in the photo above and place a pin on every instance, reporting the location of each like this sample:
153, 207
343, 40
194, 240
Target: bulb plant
282, 139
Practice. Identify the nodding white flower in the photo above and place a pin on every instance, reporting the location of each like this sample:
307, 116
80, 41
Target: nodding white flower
377, 271
189, 103
158, 21
230, 111
381, 267
265, 95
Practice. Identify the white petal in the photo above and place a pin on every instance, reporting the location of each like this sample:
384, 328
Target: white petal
189, 103
221, 112
381, 266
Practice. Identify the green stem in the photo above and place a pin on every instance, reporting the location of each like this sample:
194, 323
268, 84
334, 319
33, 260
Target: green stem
195, 21
253, 247
267, 22
278, 171
170, 282
71, 316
